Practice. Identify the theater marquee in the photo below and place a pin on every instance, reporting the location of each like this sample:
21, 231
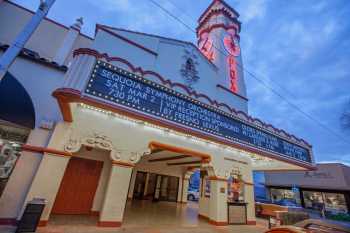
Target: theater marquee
123, 88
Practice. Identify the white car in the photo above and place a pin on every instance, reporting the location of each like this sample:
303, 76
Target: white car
193, 195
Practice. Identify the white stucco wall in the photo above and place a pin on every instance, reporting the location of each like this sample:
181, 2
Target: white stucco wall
46, 40
39, 81
168, 63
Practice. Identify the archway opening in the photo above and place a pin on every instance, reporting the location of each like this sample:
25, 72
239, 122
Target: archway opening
16, 104
159, 188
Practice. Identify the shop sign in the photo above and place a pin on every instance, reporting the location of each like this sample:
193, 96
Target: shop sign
123, 88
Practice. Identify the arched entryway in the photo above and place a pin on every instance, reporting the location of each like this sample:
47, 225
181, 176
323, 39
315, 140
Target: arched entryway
159, 186
16, 104
17, 118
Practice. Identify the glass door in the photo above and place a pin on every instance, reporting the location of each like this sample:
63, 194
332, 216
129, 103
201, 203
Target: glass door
166, 188
140, 183
173, 187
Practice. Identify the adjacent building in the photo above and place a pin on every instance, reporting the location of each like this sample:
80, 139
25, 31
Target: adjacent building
328, 186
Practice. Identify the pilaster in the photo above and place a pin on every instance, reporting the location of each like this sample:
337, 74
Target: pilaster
218, 202
116, 196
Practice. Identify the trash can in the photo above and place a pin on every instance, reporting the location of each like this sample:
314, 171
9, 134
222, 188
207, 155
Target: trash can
31, 215
237, 213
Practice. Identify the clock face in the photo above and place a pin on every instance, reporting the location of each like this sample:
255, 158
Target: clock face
231, 45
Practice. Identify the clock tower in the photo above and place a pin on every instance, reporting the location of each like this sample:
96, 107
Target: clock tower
218, 39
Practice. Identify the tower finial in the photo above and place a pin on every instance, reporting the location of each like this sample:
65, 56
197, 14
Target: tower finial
78, 23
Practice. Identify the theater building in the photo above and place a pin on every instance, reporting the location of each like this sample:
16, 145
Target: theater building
88, 123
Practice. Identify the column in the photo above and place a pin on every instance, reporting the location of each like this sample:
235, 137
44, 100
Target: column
116, 195
218, 201
185, 184
203, 203
47, 182
132, 184
22, 176
67, 44
249, 197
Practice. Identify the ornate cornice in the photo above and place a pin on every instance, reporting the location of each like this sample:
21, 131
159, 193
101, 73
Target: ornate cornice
215, 26
212, 4
224, 12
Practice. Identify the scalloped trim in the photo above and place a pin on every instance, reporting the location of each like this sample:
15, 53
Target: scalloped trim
217, 12
239, 114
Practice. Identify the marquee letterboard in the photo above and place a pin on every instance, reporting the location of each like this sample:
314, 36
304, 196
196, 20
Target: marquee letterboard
123, 88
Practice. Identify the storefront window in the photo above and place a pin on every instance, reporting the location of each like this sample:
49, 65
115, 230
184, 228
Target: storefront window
313, 200
335, 203
285, 197
11, 138
332, 202
9, 154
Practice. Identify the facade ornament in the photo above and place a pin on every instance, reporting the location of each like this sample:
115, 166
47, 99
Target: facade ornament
73, 145
78, 23
136, 156
188, 69
95, 140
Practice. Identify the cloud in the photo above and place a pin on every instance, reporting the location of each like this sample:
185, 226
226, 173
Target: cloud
112, 5
253, 10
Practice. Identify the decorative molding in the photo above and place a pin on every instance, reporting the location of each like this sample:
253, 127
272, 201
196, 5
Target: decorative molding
216, 223
239, 114
248, 183
189, 68
122, 164
35, 57
251, 222
203, 216
94, 140
100, 27
109, 224
43, 150
216, 12
217, 178
215, 26
231, 92
154, 146
235, 160
94, 212
8, 221
212, 4
43, 223
188, 43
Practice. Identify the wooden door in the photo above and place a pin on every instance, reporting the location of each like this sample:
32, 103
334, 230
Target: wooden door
78, 187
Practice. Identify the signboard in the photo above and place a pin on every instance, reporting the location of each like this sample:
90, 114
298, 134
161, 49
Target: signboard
123, 88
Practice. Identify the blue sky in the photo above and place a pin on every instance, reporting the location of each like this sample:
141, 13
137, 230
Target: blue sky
300, 48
